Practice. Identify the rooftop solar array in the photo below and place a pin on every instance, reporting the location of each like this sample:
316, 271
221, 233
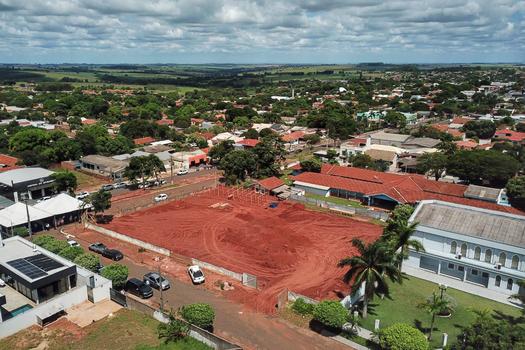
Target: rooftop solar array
35, 266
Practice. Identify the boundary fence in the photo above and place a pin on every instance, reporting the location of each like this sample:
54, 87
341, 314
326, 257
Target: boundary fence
287, 295
245, 278
348, 210
195, 332
245, 195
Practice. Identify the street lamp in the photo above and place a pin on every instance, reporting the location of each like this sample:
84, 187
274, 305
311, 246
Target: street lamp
160, 286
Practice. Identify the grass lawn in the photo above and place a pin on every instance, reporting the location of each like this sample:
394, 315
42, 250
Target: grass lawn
335, 200
84, 180
404, 308
127, 329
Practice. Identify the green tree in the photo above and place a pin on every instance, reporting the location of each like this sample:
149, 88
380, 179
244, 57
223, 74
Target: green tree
116, 273
220, 150
331, 314
268, 154
516, 192
435, 305
65, 181
55, 246
302, 307
312, 139
199, 314
251, 134
173, 331
374, 264
100, 201
88, 261
395, 119
331, 155
483, 129
433, 163
71, 253
401, 336
237, 165
312, 165
42, 240
29, 139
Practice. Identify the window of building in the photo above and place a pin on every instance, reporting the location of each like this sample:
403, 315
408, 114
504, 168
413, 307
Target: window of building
461, 268
510, 282
502, 258
464, 250
451, 266
477, 253
453, 247
485, 275
488, 255
515, 262
474, 272
498, 281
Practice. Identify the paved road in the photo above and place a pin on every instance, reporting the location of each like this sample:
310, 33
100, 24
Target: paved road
249, 329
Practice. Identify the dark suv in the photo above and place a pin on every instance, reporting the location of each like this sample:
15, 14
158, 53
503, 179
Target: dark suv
139, 288
112, 254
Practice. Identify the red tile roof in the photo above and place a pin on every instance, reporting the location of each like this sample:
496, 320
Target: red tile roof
89, 121
402, 188
460, 120
296, 135
467, 144
270, 183
248, 142
165, 122
510, 135
143, 140
9, 162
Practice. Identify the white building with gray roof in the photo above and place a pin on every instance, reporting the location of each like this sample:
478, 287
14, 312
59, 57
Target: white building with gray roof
476, 246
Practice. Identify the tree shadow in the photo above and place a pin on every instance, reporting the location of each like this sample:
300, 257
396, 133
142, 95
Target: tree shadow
512, 320
103, 219
323, 330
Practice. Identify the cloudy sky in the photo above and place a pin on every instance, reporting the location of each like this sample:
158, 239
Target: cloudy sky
261, 31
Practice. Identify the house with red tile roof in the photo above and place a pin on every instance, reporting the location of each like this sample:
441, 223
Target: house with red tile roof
196, 121
510, 135
293, 137
386, 190
143, 141
248, 143
269, 184
165, 121
87, 121
8, 162
466, 144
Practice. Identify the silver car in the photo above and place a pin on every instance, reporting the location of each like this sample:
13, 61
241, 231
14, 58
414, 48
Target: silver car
156, 281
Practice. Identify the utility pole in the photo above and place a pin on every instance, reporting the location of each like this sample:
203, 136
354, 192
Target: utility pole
171, 168
28, 222
161, 290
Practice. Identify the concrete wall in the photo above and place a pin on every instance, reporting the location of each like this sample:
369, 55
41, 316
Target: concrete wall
317, 191
128, 239
221, 270
64, 301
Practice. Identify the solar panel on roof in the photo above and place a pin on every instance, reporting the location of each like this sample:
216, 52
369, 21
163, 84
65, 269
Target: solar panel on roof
27, 268
44, 262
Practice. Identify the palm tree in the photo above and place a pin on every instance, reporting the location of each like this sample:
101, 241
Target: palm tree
401, 238
374, 264
434, 305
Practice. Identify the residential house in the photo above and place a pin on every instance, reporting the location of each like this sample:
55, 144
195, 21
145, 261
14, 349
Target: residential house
104, 166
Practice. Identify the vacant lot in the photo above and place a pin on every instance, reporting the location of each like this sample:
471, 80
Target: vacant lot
125, 330
285, 247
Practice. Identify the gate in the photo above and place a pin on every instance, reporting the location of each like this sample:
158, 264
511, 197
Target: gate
90, 294
118, 297
249, 280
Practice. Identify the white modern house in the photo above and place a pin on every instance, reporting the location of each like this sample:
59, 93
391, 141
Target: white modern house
40, 286
482, 249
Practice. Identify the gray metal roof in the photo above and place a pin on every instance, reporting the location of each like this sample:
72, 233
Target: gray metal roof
476, 222
422, 142
381, 135
104, 162
483, 193
23, 174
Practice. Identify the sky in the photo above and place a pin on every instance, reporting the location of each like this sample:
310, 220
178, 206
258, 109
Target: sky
261, 31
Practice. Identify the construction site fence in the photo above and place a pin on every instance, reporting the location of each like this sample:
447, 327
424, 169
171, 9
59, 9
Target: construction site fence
348, 210
287, 296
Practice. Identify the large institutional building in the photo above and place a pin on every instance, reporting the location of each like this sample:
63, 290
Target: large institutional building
474, 245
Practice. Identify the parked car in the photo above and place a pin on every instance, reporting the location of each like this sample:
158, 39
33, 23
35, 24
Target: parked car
2, 283
82, 195
161, 197
45, 198
107, 187
97, 247
73, 243
112, 254
145, 184
196, 274
182, 172
156, 281
159, 183
138, 288
119, 185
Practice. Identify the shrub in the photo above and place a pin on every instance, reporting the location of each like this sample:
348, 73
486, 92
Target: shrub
331, 313
21, 231
201, 315
70, 253
117, 273
174, 330
55, 246
88, 261
302, 307
401, 336
42, 240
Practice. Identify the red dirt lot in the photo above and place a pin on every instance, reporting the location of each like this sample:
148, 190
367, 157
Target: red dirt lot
288, 247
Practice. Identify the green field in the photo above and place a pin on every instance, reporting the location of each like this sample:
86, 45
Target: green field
125, 330
403, 307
